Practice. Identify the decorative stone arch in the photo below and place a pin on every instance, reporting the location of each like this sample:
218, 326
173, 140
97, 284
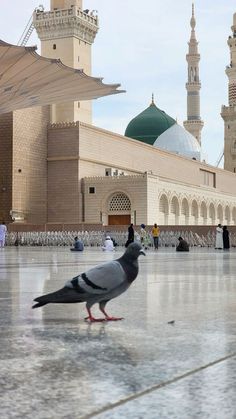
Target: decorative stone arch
203, 213
118, 208
163, 210
185, 212
227, 215
220, 215
174, 211
194, 212
234, 215
212, 214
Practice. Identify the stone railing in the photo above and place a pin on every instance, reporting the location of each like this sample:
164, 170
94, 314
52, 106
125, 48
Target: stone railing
64, 125
65, 13
112, 178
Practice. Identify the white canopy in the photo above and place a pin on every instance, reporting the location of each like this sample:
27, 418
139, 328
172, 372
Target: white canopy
27, 80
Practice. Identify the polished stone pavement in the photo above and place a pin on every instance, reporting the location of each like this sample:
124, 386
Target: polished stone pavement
55, 365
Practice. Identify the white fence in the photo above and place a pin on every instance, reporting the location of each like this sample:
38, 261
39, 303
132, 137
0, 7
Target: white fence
96, 238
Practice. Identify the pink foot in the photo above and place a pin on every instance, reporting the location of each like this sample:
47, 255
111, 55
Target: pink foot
113, 319
93, 320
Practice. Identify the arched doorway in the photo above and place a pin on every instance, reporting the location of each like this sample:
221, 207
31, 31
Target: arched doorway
119, 209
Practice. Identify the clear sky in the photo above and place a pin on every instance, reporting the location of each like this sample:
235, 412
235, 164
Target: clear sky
142, 45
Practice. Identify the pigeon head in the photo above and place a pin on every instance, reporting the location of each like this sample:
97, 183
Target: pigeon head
134, 250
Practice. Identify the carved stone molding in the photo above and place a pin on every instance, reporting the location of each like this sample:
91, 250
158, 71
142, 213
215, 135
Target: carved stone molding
65, 23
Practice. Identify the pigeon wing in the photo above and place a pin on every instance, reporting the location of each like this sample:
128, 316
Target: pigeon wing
102, 279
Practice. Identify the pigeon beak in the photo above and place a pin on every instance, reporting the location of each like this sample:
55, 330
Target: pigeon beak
141, 252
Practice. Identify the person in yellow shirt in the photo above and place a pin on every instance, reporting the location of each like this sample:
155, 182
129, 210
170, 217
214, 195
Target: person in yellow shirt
155, 235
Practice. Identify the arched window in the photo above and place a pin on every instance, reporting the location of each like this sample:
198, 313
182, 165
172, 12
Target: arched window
194, 211
220, 213
234, 215
212, 215
203, 212
227, 214
163, 210
174, 211
119, 203
185, 211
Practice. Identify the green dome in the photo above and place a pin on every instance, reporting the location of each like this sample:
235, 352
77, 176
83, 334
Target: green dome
149, 124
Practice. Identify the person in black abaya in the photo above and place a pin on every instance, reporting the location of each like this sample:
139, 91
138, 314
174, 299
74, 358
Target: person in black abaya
130, 235
226, 238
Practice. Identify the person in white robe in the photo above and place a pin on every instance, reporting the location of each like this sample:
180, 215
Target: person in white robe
108, 245
219, 237
3, 232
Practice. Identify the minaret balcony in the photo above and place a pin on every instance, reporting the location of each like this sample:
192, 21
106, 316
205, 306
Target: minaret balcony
65, 14
228, 113
196, 57
193, 86
196, 122
66, 22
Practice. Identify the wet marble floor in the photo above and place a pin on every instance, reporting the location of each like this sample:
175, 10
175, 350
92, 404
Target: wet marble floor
55, 365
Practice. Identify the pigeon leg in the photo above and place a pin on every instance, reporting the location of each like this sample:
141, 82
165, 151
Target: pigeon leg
90, 317
107, 317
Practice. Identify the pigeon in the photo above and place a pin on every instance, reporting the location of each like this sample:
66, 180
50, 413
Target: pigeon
99, 284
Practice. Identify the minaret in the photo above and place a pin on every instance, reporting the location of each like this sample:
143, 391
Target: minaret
194, 124
228, 113
67, 32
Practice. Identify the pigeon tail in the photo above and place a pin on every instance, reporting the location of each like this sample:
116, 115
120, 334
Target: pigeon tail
39, 305
64, 295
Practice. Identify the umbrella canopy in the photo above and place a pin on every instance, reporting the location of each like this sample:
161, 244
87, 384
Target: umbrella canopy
27, 80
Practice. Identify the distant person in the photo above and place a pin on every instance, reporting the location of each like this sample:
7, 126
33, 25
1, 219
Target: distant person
155, 236
226, 238
78, 245
144, 237
219, 237
108, 245
130, 235
3, 232
183, 246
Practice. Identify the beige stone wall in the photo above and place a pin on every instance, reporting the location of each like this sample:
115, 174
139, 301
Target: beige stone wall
96, 205
29, 169
5, 166
103, 147
63, 175
172, 191
152, 200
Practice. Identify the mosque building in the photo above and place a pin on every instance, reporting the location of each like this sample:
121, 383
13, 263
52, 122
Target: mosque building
62, 169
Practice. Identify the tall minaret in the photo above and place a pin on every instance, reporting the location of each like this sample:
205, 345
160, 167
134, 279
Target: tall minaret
194, 124
67, 32
228, 113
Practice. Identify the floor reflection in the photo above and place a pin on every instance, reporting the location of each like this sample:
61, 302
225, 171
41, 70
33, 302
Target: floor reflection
59, 353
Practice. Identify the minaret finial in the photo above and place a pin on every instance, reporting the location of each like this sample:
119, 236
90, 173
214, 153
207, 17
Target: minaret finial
193, 20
